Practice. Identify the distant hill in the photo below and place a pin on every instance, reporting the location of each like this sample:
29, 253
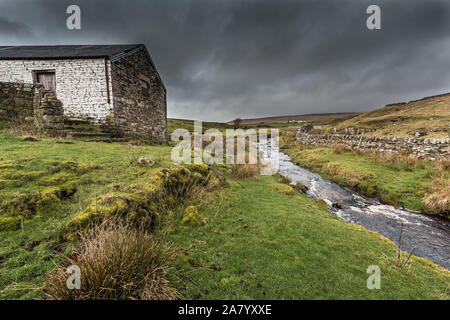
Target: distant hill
429, 116
319, 117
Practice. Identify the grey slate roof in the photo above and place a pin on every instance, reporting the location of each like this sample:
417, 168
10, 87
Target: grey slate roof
112, 52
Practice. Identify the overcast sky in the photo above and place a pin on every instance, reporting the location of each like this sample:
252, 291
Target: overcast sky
222, 59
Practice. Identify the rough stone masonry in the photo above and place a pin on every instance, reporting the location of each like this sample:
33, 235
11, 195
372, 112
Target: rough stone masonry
117, 87
32, 103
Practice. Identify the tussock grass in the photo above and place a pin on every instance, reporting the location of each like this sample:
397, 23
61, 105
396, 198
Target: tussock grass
439, 200
245, 171
442, 165
397, 161
341, 148
410, 162
117, 261
23, 128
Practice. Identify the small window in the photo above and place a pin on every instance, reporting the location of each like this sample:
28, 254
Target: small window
145, 88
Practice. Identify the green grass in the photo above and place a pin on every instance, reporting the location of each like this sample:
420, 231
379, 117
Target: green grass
34, 167
263, 244
259, 240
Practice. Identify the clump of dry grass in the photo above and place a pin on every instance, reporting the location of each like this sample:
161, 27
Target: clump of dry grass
27, 129
384, 159
23, 128
410, 162
398, 161
442, 165
117, 261
341, 148
438, 201
245, 171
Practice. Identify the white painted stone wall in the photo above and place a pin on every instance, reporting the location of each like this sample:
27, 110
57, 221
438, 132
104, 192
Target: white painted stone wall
80, 83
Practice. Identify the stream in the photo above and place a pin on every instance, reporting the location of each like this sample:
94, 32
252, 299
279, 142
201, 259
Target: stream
429, 236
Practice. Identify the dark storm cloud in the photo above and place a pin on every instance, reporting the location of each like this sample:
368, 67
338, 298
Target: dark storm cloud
226, 58
9, 29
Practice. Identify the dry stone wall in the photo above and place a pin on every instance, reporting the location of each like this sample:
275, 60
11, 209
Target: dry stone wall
21, 102
81, 84
424, 148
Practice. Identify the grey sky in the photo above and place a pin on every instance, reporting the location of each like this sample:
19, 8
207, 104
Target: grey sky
222, 59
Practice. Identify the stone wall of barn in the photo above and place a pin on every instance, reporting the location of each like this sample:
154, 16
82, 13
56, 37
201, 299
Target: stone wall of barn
81, 84
28, 103
134, 113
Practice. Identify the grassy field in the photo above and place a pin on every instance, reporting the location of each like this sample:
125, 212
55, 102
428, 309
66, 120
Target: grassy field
393, 182
430, 117
260, 243
31, 168
253, 239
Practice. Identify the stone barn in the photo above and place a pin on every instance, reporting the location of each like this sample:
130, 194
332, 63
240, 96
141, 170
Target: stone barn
114, 86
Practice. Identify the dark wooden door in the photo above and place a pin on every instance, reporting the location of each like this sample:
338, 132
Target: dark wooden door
48, 79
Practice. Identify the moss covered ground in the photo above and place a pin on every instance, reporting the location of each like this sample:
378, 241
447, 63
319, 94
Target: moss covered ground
31, 219
253, 239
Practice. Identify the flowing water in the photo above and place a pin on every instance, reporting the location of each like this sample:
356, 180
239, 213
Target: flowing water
430, 237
